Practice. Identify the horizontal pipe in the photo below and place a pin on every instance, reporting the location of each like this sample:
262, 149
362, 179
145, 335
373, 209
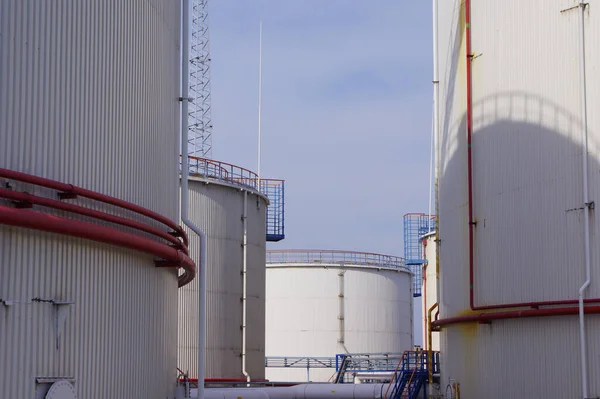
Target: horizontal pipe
64, 206
107, 235
534, 304
514, 314
69, 188
302, 391
223, 380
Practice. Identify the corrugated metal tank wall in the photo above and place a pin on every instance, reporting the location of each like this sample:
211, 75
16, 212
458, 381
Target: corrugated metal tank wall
527, 193
217, 208
429, 292
303, 305
88, 96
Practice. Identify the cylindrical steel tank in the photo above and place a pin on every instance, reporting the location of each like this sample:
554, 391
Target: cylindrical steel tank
512, 207
217, 195
323, 303
88, 96
429, 290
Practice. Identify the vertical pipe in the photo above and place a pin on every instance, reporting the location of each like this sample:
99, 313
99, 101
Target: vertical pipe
430, 340
436, 145
469, 152
431, 156
185, 170
436, 139
424, 305
245, 285
259, 101
436, 90
341, 324
586, 199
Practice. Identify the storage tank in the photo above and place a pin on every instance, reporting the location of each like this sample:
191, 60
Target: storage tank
429, 290
323, 303
518, 179
226, 203
88, 101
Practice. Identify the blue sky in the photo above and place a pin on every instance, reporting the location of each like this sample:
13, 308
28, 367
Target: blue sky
346, 112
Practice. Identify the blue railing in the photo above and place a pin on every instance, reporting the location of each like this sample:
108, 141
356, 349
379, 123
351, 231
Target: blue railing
415, 226
413, 373
275, 191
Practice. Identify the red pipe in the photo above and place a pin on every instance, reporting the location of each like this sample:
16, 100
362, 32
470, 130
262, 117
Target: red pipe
469, 140
208, 380
55, 204
107, 235
70, 189
514, 314
472, 222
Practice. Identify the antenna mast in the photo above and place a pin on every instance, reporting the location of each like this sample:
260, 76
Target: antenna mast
200, 123
259, 98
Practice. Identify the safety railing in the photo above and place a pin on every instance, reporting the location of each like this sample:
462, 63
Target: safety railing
412, 373
369, 362
300, 362
415, 226
317, 257
273, 189
223, 171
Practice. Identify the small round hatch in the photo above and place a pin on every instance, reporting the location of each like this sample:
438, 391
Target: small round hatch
61, 390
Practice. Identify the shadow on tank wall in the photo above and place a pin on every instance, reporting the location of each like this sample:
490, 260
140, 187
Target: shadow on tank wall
527, 203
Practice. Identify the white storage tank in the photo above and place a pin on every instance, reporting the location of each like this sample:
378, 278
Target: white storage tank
88, 97
429, 297
323, 303
518, 227
225, 203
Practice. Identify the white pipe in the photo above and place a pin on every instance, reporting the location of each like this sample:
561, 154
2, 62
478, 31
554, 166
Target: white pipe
431, 155
586, 199
436, 90
341, 316
259, 101
434, 121
245, 284
185, 170
303, 391
436, 138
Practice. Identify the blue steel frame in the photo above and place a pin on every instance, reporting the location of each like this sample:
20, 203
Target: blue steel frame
415, 226
275, 191
412, 375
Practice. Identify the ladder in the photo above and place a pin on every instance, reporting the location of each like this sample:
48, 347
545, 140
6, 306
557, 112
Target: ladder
411, 376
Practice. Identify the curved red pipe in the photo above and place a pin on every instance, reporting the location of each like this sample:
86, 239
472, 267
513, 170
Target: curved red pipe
55, 204
70, 189
472, 222
54, 224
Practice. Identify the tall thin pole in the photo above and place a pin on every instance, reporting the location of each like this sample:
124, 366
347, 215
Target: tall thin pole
436, 111
259, 99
